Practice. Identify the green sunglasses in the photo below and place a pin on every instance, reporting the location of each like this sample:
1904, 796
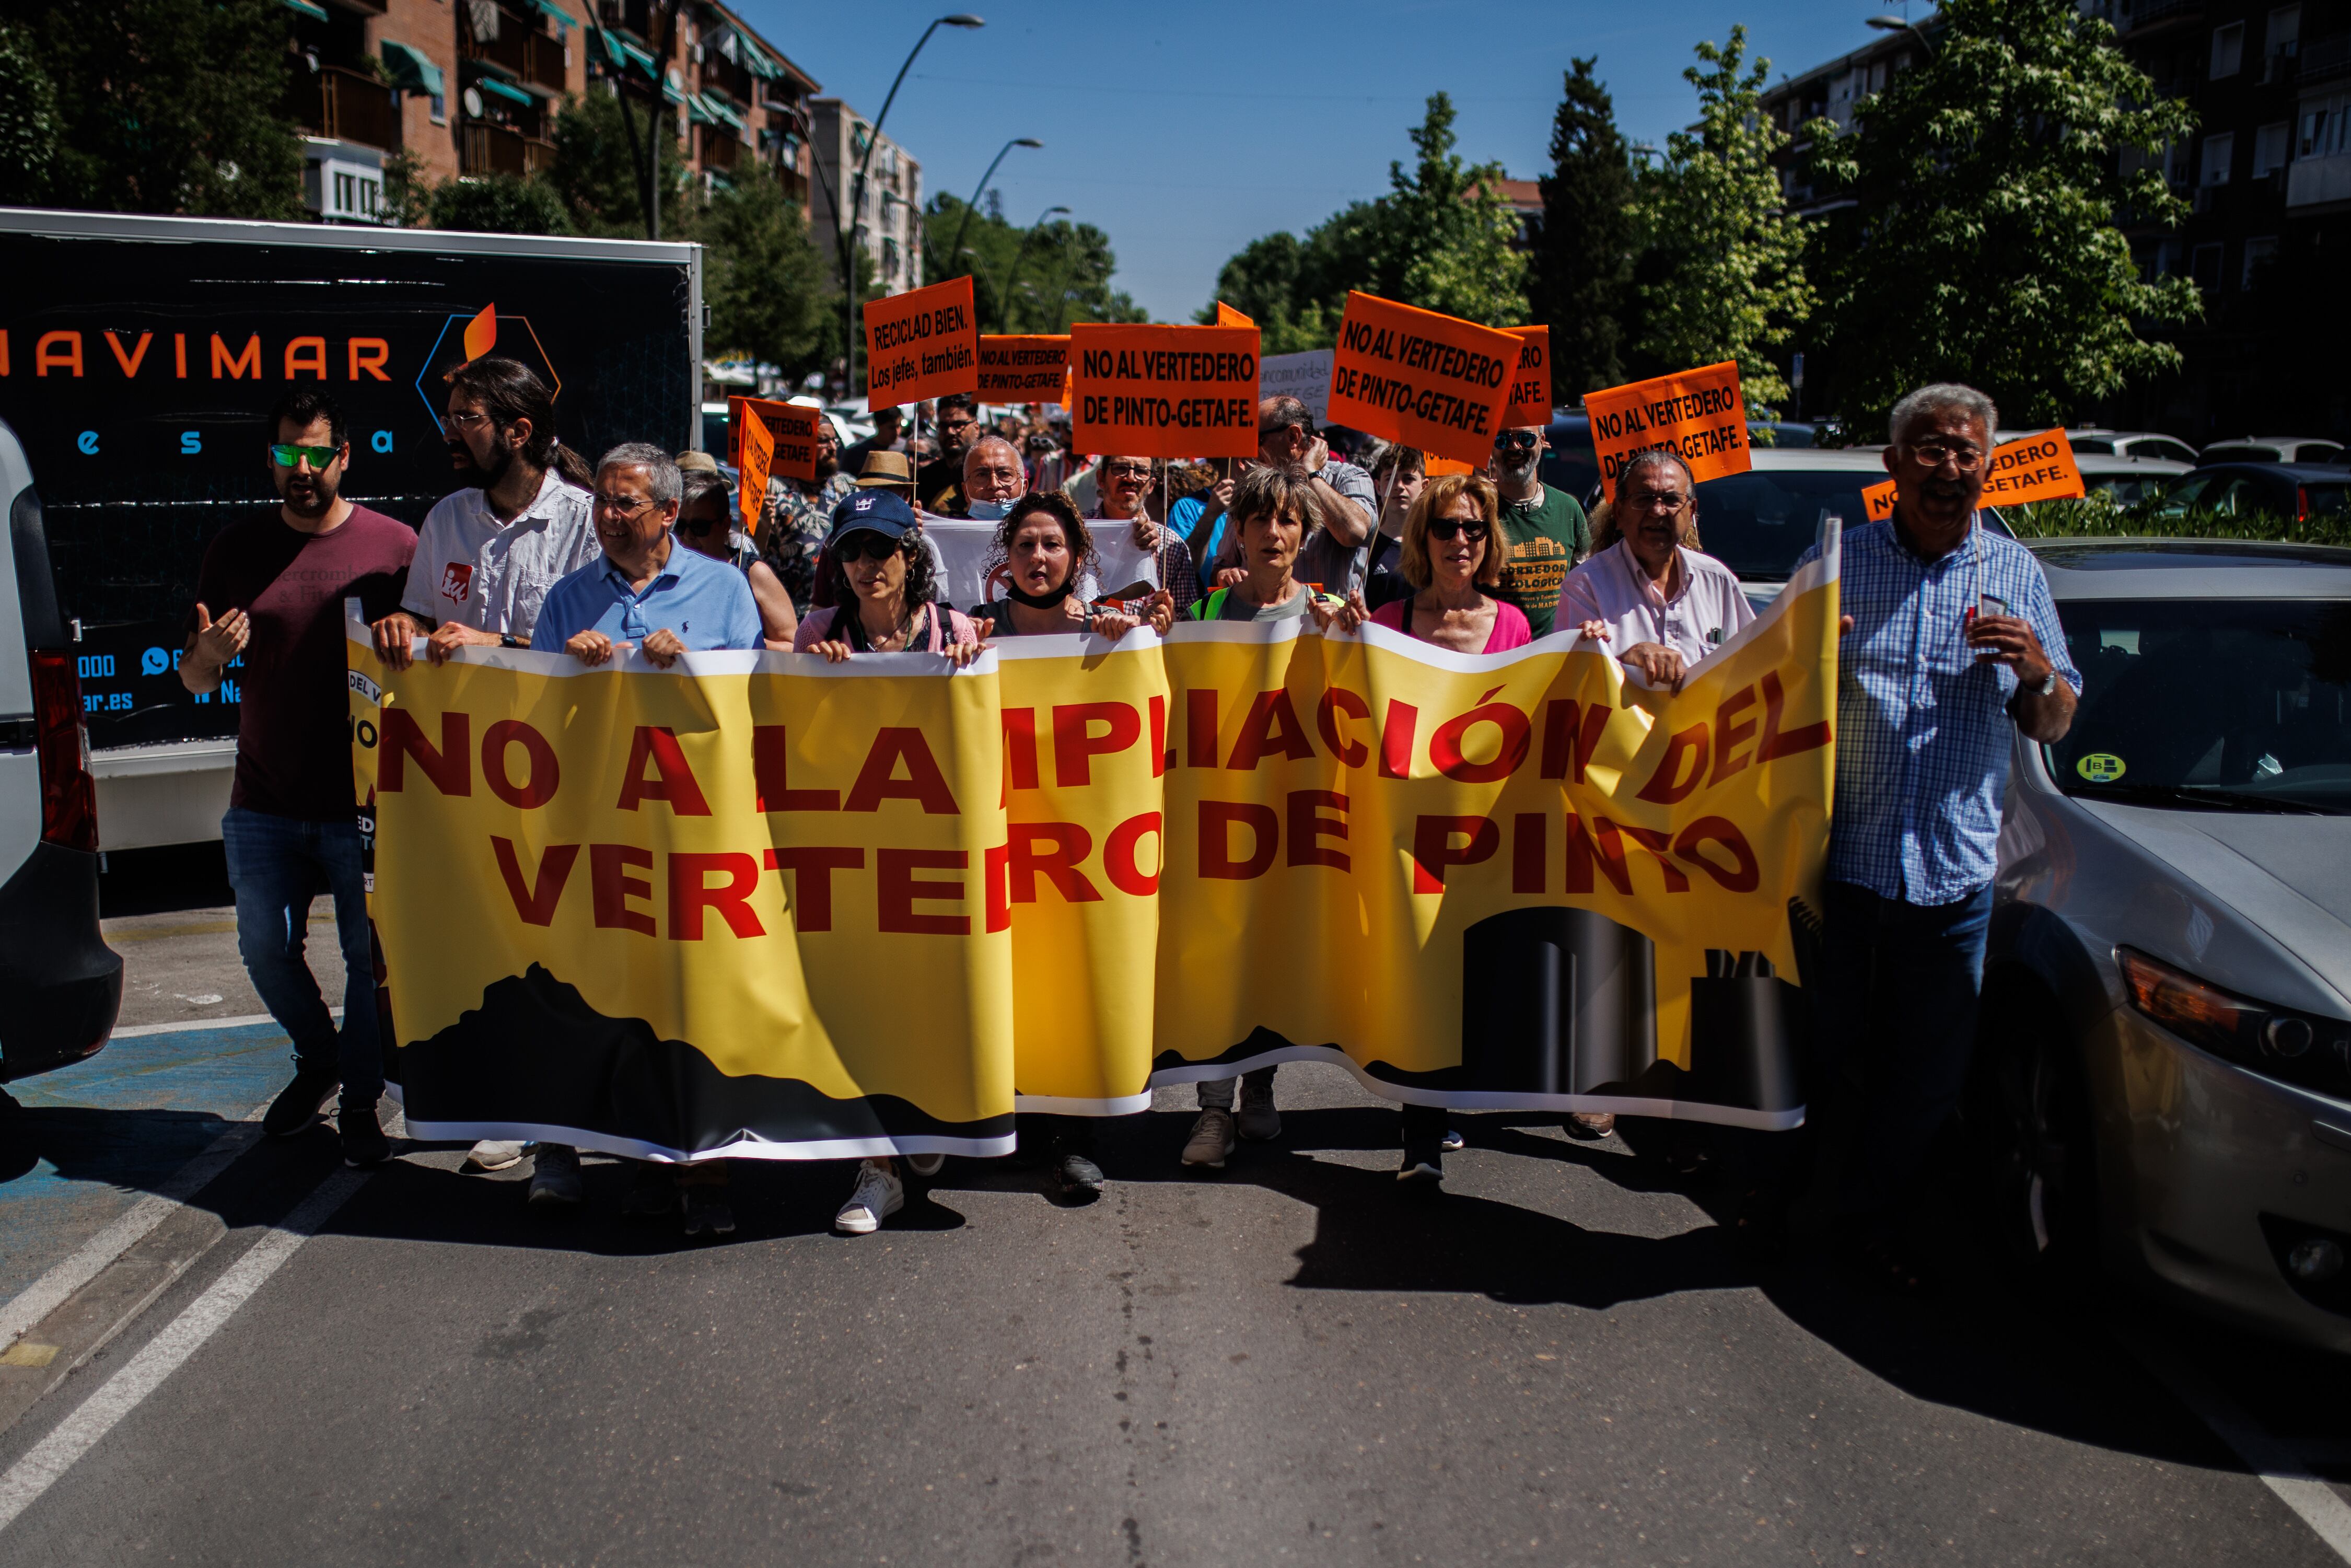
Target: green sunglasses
287, 456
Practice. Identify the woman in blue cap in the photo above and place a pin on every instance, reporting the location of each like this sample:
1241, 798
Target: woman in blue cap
883, 590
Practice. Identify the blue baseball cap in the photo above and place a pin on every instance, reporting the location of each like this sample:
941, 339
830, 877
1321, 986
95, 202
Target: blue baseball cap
879, 512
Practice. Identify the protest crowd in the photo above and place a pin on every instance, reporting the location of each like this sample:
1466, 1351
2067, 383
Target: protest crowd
541, 547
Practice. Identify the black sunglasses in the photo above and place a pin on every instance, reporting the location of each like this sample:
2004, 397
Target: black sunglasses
1451, 527
866, 545
1516, 441
697, 527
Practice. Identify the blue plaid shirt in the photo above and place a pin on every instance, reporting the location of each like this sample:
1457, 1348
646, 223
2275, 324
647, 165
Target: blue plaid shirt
1923, 729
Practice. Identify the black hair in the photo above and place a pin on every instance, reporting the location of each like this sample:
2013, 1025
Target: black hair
1062, 510
304, 406
922, 580
510, 392
963, 401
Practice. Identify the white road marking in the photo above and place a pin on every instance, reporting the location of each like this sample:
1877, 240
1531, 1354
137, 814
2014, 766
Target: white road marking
2320, 1505
184, 1025
80, 1432
47, 1293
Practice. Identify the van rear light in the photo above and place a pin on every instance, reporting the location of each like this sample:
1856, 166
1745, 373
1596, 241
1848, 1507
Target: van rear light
69, 794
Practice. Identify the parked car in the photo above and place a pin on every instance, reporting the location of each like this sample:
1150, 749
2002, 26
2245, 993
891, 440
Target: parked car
2273, 449
2296, 490
2131, 443
2164, 1061
63, 983
2129, 480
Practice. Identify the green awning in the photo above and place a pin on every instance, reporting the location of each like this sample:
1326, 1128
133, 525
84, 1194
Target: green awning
714, 108
698, 113
315, 12
623, 54
756, 61
557, 15
411, 69
504, 91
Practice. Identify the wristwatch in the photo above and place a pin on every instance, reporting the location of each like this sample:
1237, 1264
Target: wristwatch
2048, 686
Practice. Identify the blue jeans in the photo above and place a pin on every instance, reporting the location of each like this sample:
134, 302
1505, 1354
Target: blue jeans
1897, 1003
277, 864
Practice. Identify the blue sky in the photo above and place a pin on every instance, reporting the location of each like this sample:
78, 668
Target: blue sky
1184, 132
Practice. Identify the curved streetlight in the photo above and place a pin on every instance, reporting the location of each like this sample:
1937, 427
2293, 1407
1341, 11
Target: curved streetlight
1897, 25
957, 249
848, 236
1004, 300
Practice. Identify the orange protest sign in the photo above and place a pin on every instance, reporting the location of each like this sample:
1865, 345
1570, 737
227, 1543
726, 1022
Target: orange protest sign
759, 451
920, 344
1697, 414
1433, 382
1530, 386
2033, 469
1023, 368
1163, 391
792, 427
1228, 316
1437, 468
1877, 501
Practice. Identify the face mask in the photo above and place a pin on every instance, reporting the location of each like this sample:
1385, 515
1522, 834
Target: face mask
987, 511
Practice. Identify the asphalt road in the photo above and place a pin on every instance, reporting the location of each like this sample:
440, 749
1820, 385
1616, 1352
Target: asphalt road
1562, 1361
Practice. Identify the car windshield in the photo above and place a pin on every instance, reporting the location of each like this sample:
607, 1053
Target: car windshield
2218, 704
1757, 523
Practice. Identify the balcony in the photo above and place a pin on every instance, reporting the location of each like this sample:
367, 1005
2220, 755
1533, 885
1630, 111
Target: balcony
485, 149
520, 49
2318, 181
719, 150
2140, 14
2324, 60
344, 105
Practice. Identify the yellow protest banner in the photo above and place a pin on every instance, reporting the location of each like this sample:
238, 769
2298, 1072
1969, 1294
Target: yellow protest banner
1163, 391
1429, 381
921, 343
1698, 414
760, 906
1024, 367
2033, 469
1529, 401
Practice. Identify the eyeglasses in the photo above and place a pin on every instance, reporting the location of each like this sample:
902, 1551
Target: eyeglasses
468, 417
1516, 441
1935, 454
287, 456
695, 527
1654, 501
964, 423
1127, 470
1453, 528
866, 545
620, 505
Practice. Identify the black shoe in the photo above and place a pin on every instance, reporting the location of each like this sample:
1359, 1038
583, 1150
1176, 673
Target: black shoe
1453, 1143
297, 1105
704, 1211
1079, 1176
364, 1144
1423, 1166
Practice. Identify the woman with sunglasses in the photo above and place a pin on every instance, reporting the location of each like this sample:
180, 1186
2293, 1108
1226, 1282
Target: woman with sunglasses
706, 523
1046, 551
1451, 557
883, 589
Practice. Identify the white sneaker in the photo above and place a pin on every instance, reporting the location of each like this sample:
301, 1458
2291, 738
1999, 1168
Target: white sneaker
878, 1195
494, 1154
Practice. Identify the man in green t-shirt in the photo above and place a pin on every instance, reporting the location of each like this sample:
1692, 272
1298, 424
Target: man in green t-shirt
1544, 531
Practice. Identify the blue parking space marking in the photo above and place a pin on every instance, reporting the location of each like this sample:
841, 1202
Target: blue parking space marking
96, 1137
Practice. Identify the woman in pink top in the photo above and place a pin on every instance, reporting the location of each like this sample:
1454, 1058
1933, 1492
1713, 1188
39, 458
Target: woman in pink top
1452, 553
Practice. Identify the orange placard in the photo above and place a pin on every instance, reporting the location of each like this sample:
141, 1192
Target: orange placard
1433, 382
920, 344
1437, 468
1163, 391
1877, 501
1228, 316
1530, 387
792, 427
1023, 368
2033, 469
1696, 414
759, 451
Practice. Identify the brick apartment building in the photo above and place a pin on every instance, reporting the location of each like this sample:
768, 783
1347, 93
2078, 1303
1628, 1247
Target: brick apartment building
473, 87
888, 222
2267, 175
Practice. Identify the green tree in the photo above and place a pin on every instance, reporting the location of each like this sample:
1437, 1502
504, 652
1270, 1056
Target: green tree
1984, 244
29, 120
1025, 279
1580, 281
596, 176
156, 105
497, 204
771, 295
1440, 238
1731, 281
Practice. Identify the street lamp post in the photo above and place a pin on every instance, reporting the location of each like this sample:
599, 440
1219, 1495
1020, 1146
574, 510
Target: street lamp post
1004, 300
957, 249
848, 234
1897, 25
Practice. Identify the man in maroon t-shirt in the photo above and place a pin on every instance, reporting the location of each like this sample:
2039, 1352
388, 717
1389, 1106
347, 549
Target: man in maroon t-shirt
270, 600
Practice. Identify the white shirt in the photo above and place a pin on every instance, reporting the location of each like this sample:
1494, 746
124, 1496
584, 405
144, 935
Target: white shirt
476, 571
1612, 587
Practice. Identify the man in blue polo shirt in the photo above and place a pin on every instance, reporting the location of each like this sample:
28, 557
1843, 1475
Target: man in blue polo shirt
644, 590
649, 592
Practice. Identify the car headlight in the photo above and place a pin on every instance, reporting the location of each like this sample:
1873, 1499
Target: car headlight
2295, 1048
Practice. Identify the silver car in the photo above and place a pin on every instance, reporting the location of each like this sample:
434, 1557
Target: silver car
2164, 1064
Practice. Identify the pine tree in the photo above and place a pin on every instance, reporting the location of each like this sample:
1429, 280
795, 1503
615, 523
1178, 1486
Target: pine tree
1581, 280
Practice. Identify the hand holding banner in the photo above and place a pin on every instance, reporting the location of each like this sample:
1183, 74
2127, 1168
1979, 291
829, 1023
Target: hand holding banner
792, 425
759, 451
1697, 414
1024, 368
920, 344
1164, 391
1433, 382
1530, 387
